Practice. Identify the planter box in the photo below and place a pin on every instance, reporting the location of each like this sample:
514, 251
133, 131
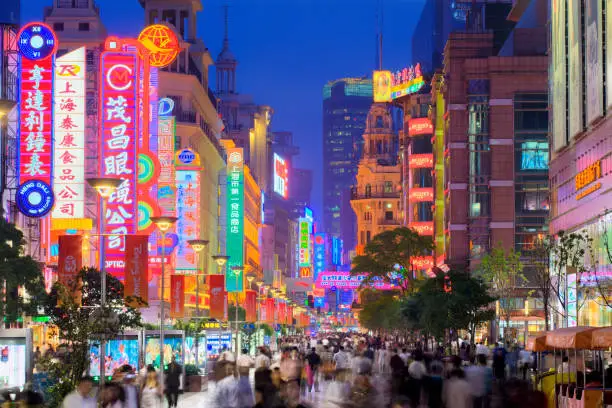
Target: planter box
197, 383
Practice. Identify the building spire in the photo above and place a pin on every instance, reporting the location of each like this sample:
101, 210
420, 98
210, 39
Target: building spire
226, 20
379, 34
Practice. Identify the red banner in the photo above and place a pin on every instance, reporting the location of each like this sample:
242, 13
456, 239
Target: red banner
251, 306
216, 283
282, 313
289, 320
70, 259
269, 310
177, 296
136, 281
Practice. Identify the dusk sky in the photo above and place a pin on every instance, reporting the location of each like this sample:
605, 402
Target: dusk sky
287, 50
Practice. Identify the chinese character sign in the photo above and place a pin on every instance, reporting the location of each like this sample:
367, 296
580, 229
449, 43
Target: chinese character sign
281, 176
235, 219
320, 243
165, 152
118, 121
304, 240
70, 258
188, 214
69, 138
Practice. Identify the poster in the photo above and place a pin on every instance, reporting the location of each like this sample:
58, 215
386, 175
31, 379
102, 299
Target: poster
216, 341
177, 296
190, 350
12, 365
576, 102
217, 296
70, 258
173, 346
594, 60
137, 268
118, 353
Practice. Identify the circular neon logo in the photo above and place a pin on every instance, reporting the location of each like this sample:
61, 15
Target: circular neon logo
161, 43
35, 198
186, 156
36, 41
146, 168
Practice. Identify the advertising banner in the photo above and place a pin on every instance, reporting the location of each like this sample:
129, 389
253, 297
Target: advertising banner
263, 311
282, 312
320, 252
69, 135
420, 126
419, 161
381, 86
558, 72
70, 259
304, 239
188, 213
235, 219
177, 296
281, 176
344, 280
136, 281
250, 306
216, 284
608, 54
420, 194
594, 60
119, 104
270, 310
576, 101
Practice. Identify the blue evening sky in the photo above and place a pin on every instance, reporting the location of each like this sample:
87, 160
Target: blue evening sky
287, 50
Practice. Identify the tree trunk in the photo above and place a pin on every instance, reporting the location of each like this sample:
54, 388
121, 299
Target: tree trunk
546, 323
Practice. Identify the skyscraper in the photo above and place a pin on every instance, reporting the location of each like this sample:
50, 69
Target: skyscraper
346, 103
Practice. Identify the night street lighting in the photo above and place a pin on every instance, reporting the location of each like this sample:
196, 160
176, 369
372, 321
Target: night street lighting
104, 187
198, 246
236, 270
163, 223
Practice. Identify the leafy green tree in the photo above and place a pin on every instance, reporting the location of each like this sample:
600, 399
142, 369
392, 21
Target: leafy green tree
387, 258
18, 271
504, 271
75, 310
383, 315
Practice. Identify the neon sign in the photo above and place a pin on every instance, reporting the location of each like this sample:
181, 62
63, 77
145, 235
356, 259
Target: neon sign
161, 45
420, 194
320, 241
423, 228
422, 262
344, 280
419, 126
381, 86
235, 219
281, 176
337, 245
166, 193
37, 46
119, 124
419, 161
407, 81
304, 240
188, 214
69, 144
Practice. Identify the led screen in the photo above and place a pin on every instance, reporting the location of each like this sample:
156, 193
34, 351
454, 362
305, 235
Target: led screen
534, 156
173, 346
12, 365
118, 353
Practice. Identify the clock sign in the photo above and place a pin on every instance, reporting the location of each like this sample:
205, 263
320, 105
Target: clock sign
37, 41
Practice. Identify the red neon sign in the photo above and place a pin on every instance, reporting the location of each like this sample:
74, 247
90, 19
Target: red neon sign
423, 228
118, 152
419, 161
35, 118
422, 262
419, 126
420, 194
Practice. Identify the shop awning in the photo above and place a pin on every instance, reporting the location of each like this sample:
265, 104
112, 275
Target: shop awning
602, 338
570, 338
537, 342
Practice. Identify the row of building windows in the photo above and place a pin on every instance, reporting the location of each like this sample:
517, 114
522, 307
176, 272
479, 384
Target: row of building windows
60, 27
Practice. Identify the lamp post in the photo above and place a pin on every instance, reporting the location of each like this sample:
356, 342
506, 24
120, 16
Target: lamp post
104, 187
236, 270
198, 246
163, 224
221, 260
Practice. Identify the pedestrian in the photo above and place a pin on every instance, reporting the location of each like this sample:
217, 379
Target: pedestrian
434, 384
482, 349
112, 396
457, 393
244, 363
80, 397
262, 360
341, 362
337, 391
404, 355
227, 355
525, 361
173, 382
313, 363
480, 378
226, 391
416, 372
150, 392
499, 363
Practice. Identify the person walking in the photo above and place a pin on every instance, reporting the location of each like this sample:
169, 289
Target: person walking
226, 391
80, 398
173, 382
341, 361
456, 391
312, 369
480, 378
150, 392
262, 360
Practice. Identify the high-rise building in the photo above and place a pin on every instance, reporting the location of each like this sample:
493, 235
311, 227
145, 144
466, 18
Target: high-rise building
581, 142
376, 196
346, 103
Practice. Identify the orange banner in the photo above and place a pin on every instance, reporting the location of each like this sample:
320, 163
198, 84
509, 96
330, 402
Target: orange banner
177, 296
137, 268
270, 310
216, 284
289, 320
70, 259
251, 306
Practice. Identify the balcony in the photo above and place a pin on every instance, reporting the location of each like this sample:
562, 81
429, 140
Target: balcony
191, 117
359, 193
384, 221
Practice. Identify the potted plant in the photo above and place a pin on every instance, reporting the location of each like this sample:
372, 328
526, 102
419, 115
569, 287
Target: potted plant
196, 382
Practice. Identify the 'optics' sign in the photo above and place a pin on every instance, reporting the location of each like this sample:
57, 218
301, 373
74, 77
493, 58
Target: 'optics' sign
235, 219
281, 176
37, 46
119, 122
69, 144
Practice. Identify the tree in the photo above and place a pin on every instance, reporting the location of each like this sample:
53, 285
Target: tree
382, 314
387, 258
505, 272
539, 258
18, 271
72, 308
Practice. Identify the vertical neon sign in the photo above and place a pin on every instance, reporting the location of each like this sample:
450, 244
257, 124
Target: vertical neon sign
69, 143
235, 219
320, 243
37, 46
188, 214
119, 122
304, 239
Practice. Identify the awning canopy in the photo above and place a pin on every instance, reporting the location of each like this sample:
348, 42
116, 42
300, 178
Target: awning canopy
537, 342
602, 338
570, 338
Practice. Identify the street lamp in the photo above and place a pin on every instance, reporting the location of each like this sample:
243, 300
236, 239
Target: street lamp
250, 278
163, 224
221, 260
198, 246
104, 186
236, 270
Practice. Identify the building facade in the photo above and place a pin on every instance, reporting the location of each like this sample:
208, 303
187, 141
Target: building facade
375, 198
346, 103
580, 169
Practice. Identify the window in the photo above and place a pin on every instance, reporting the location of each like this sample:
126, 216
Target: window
83, 26
362, 237
368, 190
367, 237
58, 26
532, 156
177, 142
388, 187
389, 215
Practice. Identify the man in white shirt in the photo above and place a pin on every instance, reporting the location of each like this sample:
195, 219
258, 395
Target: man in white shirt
404, 355
80, 398
262, 360
341, 359
482, 349
244, 362
227, 355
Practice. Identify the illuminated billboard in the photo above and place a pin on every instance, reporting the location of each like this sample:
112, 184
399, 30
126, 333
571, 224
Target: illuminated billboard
118, 150
419, 161
281, 176
69, 141
235, 220
381, 86
344, 280
407, 81
320, 252
188, 214
420, 194
37, 46
304, 240
419, 126
423, 227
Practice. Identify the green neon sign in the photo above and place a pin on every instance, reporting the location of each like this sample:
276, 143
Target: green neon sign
234, 277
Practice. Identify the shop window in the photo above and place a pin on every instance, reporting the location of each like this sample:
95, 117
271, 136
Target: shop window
389, 215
